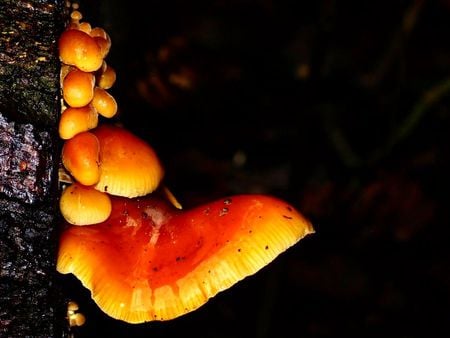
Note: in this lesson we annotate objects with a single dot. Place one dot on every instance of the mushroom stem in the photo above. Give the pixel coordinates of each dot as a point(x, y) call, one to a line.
point(171, 197)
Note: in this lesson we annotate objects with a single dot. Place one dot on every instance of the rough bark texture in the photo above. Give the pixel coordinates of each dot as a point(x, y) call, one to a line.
point(30, 305)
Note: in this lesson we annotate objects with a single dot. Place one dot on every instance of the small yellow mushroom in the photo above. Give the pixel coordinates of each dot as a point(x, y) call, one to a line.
point(78, 88)
point(76, 120)
point(80, 156)
point(104, 103)
point(82, 205)
point(75, 318)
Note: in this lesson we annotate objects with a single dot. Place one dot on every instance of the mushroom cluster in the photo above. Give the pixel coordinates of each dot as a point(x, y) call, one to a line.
point(100, 159)
point(141, 256)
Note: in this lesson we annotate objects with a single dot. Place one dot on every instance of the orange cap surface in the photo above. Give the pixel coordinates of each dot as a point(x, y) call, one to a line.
point(129, 166)
point(77, 48)
point(151, 261)
point(78, 88)
point(82, 205)
point(104, 103)
point(103, 40)
point(106, 76)
point(80, 156)
point(76, 120)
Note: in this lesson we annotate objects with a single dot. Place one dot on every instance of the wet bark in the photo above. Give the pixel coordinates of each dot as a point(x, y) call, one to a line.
point(30, 304)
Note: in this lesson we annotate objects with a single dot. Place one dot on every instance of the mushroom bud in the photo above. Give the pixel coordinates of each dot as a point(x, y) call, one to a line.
point(82, 205)
point(151, 261)
point(104, 103)
point(106, 76)
point(76, 120)
point(77, 48)
point(78, 88)
point(103, 40)
point(85, 27)
point(80, 156)
point(76, 16)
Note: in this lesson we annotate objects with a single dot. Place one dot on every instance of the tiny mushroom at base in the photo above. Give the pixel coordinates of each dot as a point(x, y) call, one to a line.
point(151, 261)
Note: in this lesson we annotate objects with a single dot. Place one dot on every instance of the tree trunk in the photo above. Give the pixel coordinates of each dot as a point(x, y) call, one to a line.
point(30, 303)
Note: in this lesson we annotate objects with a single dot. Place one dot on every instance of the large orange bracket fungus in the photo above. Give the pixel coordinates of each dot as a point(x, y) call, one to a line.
point(141, 255)
point(152, 261)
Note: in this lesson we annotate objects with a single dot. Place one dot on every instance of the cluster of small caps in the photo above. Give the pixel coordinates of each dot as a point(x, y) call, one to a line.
point(101, 159)
point(74, 317)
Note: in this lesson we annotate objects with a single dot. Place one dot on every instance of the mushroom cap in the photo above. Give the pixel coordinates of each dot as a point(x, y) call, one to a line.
point(77, 48)
point(103, 44)
point(104, 103)
point(150, 261)
point(80, 156)
point(129, 166)
point(103, 40)
point(83, 205)
point(106, 76)
point(85, 27)
point(76, 120)
point(78, 88)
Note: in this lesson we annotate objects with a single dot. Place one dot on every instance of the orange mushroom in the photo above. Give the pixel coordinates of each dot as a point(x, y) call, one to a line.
point(76, 120)
point(82, 205)
point(76, 16)
point(85, 27)
point(99, 32)
point(78, 88)
point(106, 76)
point(150, 261)
point(104, 103)
point(77, 48)
point(103, 40)
point(80, 156)
point(129, 166)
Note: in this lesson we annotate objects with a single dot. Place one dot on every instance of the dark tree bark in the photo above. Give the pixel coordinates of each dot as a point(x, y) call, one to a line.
point(30, 304)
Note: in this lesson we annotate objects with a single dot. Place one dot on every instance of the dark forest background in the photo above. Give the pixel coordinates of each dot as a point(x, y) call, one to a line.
point(340, 107)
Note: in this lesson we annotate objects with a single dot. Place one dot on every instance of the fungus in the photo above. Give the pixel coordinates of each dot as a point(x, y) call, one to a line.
point(152, 261)
point(78, 88)
point(85, 27)
point(65, 69)
point(83, 205)
point(129, 166)
point(77, 48)
point(74, 317)
point(141, 255)
point(100, 32)
point(80, 156)
point(76, 120)
point(103, 40)
point(76, 16)
point(104, 103)
point(106, 76)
